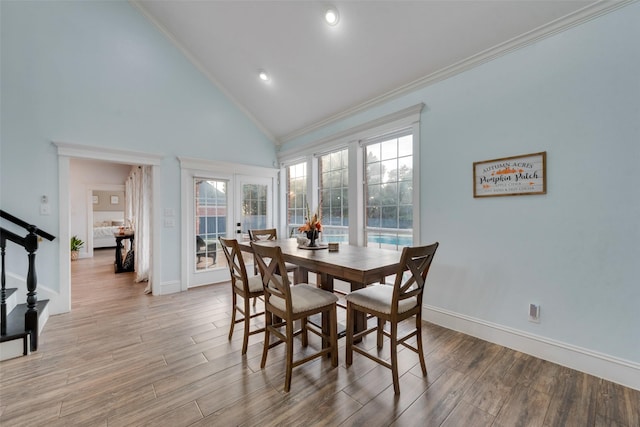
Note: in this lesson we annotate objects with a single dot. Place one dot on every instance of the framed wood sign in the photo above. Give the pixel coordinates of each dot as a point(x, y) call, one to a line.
point(511, 176)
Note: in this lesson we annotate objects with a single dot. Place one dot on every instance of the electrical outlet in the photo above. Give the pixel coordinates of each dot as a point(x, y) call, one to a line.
point(534, 313)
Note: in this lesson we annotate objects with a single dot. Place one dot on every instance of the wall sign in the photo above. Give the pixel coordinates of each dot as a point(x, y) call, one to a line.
point(511, 176)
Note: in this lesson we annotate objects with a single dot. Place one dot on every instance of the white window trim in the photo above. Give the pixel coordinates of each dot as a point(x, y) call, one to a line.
point(353, 139)
point(191, 168)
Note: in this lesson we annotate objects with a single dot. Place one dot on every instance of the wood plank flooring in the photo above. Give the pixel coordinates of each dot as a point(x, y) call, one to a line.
point(123, 358)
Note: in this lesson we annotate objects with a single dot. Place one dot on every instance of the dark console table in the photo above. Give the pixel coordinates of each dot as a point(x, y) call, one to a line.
point(119, 246)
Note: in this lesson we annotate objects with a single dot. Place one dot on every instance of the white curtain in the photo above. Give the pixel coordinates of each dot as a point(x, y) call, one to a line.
point(138, 212)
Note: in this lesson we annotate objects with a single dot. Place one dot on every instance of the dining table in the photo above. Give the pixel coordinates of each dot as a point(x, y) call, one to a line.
point(357, 265)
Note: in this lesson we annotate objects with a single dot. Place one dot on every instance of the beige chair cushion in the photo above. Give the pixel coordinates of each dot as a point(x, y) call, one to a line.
point(255, 284)
point(305, 297)
point(290, 266)
point(378, 297)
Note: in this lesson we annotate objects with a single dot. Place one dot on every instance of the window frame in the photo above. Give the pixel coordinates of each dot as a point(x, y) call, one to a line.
point(364, 145)
point(403, 121)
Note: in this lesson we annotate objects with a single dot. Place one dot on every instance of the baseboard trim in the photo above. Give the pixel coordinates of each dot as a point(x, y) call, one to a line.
point(171, 287)
point(624, 372)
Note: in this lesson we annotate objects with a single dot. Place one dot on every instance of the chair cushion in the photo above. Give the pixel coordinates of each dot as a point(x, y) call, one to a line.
point(290, 266)
point(255, 284)
point(305, 297)
point(378, 297)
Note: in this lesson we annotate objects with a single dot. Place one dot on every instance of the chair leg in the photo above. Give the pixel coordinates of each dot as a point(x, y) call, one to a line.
point(349, 337)
point(420, 348)
point(289, 367)
point(234, 300)
point(380, 336)
point(268, 321)
point(394, 357)
point(247, 324)
point(255, 300)
point(333, 335)
point(305, 335)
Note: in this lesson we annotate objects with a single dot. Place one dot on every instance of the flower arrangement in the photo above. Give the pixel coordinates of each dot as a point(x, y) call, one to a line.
point(311, 227)
point(312, 223)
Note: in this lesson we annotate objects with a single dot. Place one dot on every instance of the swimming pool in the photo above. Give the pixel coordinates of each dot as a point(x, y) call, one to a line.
point(391, 239)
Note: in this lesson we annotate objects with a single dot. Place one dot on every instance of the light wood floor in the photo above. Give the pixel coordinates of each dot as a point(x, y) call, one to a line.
point(122, 358)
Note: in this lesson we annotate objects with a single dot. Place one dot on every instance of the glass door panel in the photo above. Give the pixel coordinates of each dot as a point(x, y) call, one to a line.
point(254, 208)
point(210, 221)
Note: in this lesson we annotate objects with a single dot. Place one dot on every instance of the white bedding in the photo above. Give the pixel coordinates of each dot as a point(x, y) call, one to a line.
point(105, 223)
point(102, 232)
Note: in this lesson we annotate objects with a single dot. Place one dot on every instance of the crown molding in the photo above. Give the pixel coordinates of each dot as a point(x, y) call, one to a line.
point(578, 17)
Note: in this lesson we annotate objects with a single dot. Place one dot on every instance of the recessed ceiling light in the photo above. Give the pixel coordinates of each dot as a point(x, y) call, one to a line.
point(262, 74)
point(331, 16)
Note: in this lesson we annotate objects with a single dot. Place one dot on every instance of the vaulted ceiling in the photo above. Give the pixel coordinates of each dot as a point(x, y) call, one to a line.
point(378, 49)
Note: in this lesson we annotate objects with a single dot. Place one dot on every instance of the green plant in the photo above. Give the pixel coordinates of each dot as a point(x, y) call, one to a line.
point(76, 243)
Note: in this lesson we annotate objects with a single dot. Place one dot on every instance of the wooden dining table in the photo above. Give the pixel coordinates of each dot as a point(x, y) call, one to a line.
point(357, 265)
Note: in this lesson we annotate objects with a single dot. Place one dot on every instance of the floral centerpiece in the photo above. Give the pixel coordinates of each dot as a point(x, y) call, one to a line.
point(312, 226)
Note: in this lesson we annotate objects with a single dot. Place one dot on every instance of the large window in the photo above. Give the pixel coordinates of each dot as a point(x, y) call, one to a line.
point(333, 170)
point(364, 180)
point(389, 192)
point(296, 196)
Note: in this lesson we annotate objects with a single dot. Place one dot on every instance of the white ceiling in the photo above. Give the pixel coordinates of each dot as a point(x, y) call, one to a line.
point(379, 49)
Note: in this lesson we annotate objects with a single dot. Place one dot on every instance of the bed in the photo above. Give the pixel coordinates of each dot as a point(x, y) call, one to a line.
point(105, 223)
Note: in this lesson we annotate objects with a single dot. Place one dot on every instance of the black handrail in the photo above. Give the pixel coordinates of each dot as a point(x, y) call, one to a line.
point(30, 243)
point(26, 225)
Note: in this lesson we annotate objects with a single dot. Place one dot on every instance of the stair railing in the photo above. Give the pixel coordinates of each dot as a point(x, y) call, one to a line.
point(30, 244)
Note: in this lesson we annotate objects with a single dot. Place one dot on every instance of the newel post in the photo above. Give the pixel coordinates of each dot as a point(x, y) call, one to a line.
point(3, 291)
point(31, 315)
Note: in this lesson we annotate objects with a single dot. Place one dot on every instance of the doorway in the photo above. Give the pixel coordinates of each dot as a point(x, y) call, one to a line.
point(66, 152)
point(221, 200)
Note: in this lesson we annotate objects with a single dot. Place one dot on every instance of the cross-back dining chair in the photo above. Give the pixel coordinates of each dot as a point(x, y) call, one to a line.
point(393, 304)
point(243, 286)
point(256, 235)
point(285, 304)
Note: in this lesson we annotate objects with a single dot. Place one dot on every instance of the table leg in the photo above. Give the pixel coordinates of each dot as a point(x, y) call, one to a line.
point(326, 282)
point(360, 319)
point(118, 266)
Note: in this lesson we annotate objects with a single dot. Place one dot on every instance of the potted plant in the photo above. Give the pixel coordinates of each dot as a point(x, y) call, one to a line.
point(76, 244)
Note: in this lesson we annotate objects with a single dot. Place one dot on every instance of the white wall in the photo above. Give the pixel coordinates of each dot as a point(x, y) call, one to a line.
point(574, 250)
point(100, 74)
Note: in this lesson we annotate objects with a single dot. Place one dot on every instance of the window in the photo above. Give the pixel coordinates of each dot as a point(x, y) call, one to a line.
point(210, 221)
point(333, 170)
point(389, 192)
point(296, 196)
point(254, 206)
point(364, 179)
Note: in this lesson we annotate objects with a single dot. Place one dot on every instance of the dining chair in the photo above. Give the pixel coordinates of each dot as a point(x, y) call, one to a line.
point(243, 286)
point(393, 304)
point(285, 304)
point(256, 235)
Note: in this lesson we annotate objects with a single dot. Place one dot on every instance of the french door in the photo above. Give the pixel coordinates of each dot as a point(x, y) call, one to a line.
point(224, 206)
